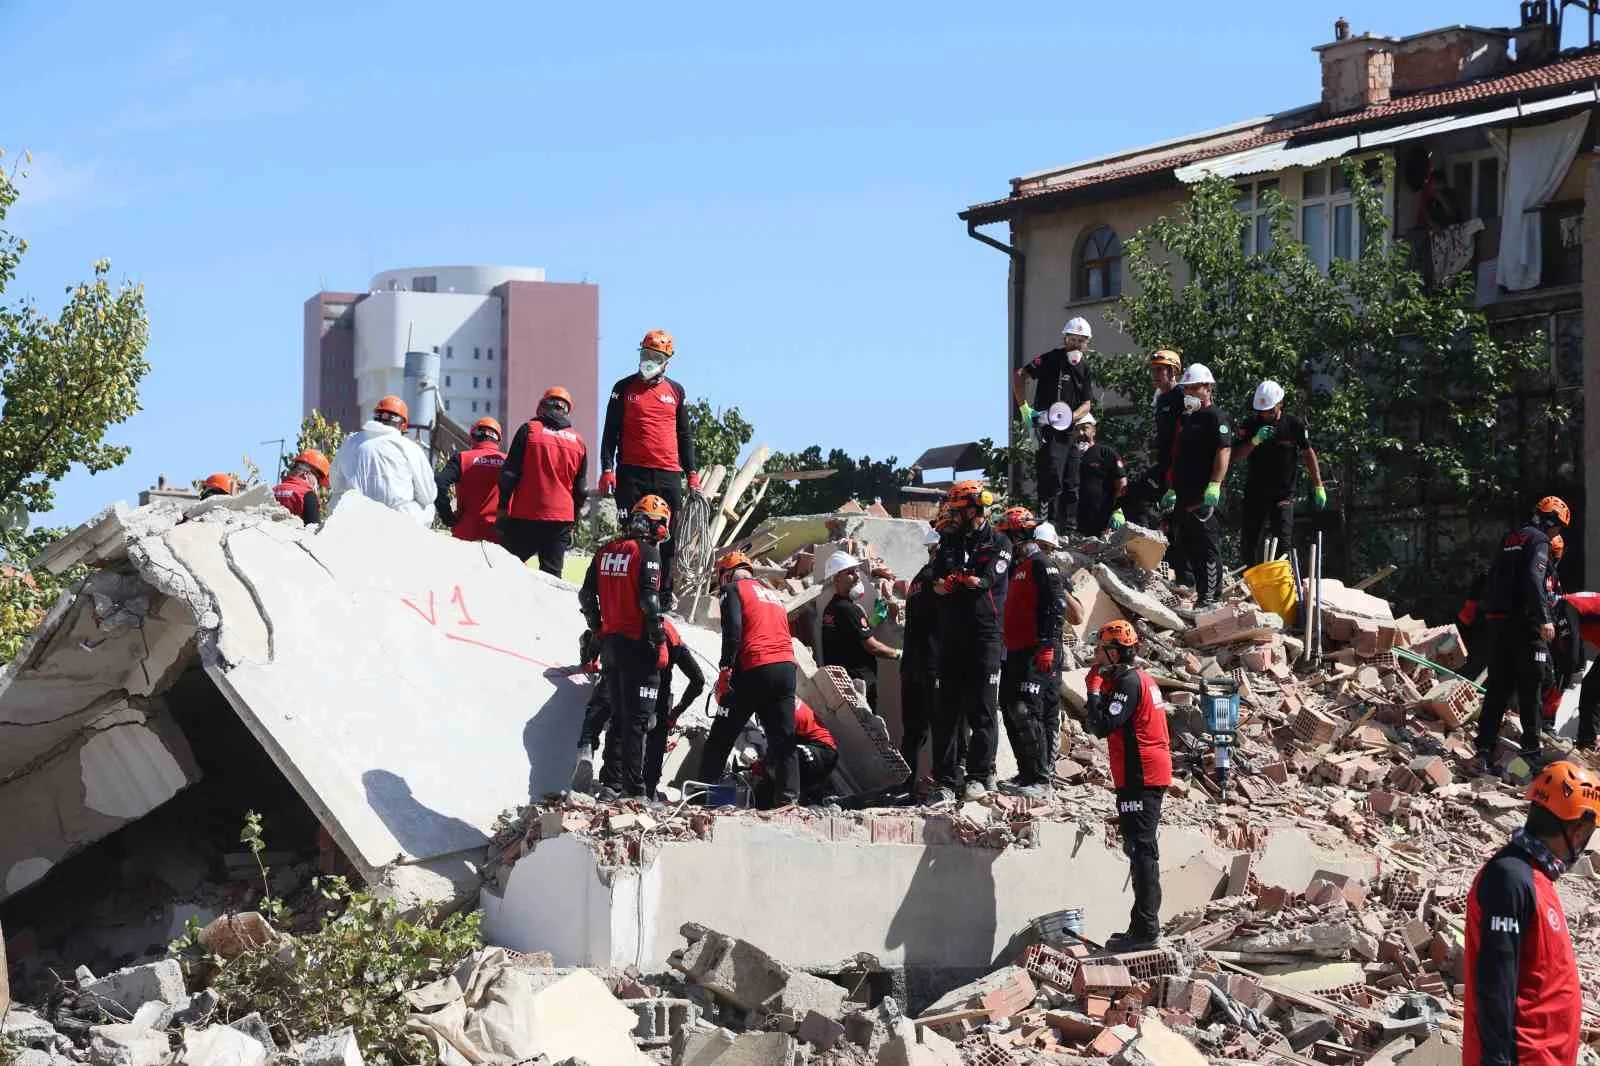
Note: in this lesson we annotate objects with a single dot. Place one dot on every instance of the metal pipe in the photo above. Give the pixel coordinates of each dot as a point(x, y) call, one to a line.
point(1019, 284)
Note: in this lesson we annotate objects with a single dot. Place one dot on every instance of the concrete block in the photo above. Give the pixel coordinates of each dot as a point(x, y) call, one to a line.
point(1432, 770)
point(805, 993)
point(820, 1031)
point(331, 1049)
point(135, 986)
point(761, 1049)
point(1147, 607)
point(1192, 885)
point(23, 1028)
point(1146, 547)
point(127, 1045)
point(661, 1019)
point(157, 1016)
point(220, 1045)
point(256, 1028)
point(731, 969)
point(700, 1047)
point(578, 1017)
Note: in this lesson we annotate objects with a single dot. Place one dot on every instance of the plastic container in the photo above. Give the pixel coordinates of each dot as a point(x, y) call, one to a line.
point(1059, 927)
point(1272, 584)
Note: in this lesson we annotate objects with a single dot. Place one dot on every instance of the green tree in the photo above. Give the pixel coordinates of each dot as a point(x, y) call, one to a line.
point(719, 435)
point(864, 479)
point(66, 381)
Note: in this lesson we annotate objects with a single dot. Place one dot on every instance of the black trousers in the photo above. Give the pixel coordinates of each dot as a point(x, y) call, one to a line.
point(1022, 696)
point(1473, 637)
point(526, 537)
point(1200, 546)
point(1055, 468)
point(1144, 492)
point(969, 694)
point(596, 719)
point(655, 742)
point(1589, 707)
point(1518, 664)
point(816, 764)
point(1265, 518)
point(1051, 718)
point(919, 698)
point(767, 693)
point(1139, 820)
point(1094, 510)
point(635, 683)
point(635, 482)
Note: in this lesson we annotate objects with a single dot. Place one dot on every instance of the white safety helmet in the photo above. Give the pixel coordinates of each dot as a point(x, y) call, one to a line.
point(838, 563)
point(931, 537)
point(1269, 394)
point(1197, 374)
point(1077, 327)
point(1088, 420)
point(1045, 533)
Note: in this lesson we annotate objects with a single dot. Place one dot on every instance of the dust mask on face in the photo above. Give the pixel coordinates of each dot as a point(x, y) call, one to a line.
point(1191, 403)
point(650, 369)
point(857, 590)
point(1075, 357)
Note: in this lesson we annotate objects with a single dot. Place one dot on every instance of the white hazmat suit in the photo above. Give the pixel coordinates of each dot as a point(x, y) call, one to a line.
point(385, 465)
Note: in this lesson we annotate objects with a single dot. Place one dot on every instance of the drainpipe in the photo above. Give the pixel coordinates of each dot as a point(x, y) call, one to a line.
point(1018, 291)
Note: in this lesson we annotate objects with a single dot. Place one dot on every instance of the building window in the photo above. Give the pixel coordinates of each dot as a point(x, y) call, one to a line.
point(447, 381)
point(1474, 186)
point(1099, 265)
point(1255, 231)
point(488, 383)
point(491, 354)
point(477, 353)
point(449, 351)
point(429, 283)
point(1330, 225)
point(447, 405)
point(435, 349)
point(474, 406)
point(474, 382)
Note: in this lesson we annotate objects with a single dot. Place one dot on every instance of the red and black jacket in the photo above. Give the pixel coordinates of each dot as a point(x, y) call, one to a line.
point(1125, 707)
point(1587, 606)
point(1516, 586)
point(648, 423)
point(680, 655)
point(755, 627)
point(921, 639)
point(1036, 600)
point(299, 498)
point(476, 475)
point(542, 479)
point(974, 610)
point(807, 730)
point(621, 593)
point(1523, 1003)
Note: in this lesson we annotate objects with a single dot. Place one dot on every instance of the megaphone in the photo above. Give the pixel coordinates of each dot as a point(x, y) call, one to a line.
point(1059, 416)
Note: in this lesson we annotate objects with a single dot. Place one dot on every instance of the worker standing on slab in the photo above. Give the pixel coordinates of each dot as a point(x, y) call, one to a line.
point(970, 577)
point(1520, 625)
point(681, 657)
point(1125, 707)
point(385, 465)
point(1036, 608)
point(757, 678)
point(646, 446)
point(1060, 375)
point(1587, 607)
point(1102, 480)
point(1167, 409)
point(919, 661)
point(1274, 443)
point(621, 601)
point(474, 473)
point(1523, 1001)
point(541, 484)
point(216, 485)
point(297, 492)
point(1194, 484)
point(847, 640)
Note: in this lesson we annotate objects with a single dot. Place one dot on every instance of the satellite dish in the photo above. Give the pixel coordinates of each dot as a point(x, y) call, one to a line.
point(1059, 416)
point(14, 516)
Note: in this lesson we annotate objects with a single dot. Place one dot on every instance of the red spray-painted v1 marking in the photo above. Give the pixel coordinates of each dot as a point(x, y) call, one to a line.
point(464, 618)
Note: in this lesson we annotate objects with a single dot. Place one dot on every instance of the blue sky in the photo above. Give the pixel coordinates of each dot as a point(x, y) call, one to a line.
point(777, 185)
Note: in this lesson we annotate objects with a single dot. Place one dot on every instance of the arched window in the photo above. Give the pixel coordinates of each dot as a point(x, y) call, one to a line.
point(1097, 268)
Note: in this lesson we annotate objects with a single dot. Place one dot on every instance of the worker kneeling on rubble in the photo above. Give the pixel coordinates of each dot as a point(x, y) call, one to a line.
point(385, 465)
point(1521, 623)
point(541, 484)
point(1523, 1003)
point(1125, 707)
point(816, 754)
point(681, 656)
point(297, 492)
point(970, 578)
point(474, 473)
point(1036, 607)
point(757, 678)
point(621, 601)
point(847, 640)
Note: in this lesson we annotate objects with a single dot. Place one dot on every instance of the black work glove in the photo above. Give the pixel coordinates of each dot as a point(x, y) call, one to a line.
point(502, 524)
point(588, 646)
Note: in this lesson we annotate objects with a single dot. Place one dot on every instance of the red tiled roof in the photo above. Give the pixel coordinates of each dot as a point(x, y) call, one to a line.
point(1564, 72)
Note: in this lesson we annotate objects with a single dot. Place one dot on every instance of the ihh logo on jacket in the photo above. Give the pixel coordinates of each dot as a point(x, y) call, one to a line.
point(1501, 924)
point(615, 564)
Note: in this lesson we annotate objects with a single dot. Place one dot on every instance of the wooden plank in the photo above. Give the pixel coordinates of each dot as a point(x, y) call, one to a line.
point(736, 491)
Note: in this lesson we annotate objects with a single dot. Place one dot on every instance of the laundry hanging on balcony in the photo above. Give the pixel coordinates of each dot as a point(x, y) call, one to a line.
point(1536, 160)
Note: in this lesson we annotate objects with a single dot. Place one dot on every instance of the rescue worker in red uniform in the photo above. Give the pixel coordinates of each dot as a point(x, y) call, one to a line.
point(541, 484)
point(1520, 626)
point(621, 601)
point(1125, 707)
point(297, 492)
point(475, 475)
point(970, 579)
point(216, 485)
point(919, 659)
point(1523, 1003)
point(1587, 607)
point(757, 678)
point(816, 753)
point(646, 445)
point(1036, 609)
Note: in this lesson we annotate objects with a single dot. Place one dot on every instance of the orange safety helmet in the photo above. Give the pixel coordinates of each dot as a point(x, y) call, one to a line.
point(652, 517)
point(968, 494)
point(220, 482)
point(732, 561)
point(556, 392)
point(658, 341)
point(1556, 507)
point(1567, 790)
point(484, 426)
point(1166, 357)
point(316, 461)
point(1018, 519)
point(393, 405)
point(1118, 632)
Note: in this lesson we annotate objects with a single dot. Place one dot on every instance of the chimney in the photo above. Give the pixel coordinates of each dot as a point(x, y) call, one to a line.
point(1538, 39)
point(1357, 72)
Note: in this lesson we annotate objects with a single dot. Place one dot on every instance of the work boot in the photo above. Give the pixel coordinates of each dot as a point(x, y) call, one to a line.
point(1133, 940)
point(583, 773)
point(1032, 790)
point(607, 794)
point(975, 790)
point(1483, 766)
point(940, 797)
